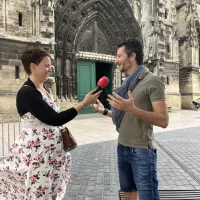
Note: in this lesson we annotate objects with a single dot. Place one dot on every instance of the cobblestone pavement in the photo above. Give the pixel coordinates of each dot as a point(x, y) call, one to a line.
point(94, 171)
point(179, 159)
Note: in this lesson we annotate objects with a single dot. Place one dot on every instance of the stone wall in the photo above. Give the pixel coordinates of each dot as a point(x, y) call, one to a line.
point(173, 102)
point(23, 24)
point(161, 51)
point(64, 105)
point(10, 59)
point(190, 86)
point(172, 85)
point(10, 55)
point(169, 37)
point(7, 103)
point(10, 12)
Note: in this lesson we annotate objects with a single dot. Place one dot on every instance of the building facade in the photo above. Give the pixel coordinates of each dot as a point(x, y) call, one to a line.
point(82, 36)
point(171, 39)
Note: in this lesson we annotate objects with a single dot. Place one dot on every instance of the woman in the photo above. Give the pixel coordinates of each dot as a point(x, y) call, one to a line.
point(37, 166)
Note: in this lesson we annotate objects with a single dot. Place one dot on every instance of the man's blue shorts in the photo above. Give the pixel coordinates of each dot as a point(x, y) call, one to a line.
point(138, 171)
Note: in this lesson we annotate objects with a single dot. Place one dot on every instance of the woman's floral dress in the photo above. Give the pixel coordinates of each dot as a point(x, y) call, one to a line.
point(36, 167)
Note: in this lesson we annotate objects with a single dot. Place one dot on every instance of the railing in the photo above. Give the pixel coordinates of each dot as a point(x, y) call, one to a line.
point(173, 195)
point(66, 87)
point(10, 128)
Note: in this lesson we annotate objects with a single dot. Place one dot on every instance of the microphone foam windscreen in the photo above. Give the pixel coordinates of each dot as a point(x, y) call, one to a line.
point(103, 82)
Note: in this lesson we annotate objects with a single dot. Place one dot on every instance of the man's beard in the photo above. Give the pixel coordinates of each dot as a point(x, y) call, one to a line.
point(125, 67)
point(122, 69)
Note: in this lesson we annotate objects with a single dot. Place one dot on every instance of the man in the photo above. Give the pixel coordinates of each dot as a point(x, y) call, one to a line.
point(134, 115)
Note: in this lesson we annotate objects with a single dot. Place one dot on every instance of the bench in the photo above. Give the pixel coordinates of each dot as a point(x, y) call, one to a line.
point(173, 195)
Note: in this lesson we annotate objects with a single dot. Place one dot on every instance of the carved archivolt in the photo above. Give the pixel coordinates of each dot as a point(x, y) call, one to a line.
point(91, 26)
point(75, 20)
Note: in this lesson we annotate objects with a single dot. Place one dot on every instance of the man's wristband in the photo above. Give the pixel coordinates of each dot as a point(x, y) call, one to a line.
point(105, 112)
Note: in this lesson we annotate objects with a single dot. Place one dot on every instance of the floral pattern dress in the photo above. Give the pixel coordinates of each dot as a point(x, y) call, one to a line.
point(37, 166)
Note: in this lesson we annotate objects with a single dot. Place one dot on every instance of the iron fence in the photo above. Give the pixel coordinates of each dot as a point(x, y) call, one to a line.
point(10, 127)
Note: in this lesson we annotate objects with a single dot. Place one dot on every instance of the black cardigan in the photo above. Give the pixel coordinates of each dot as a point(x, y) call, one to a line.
point(29, 99)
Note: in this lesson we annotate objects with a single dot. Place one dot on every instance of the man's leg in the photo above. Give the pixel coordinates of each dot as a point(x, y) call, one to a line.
point(144, 166)
point(130, 195)
point(126, 178)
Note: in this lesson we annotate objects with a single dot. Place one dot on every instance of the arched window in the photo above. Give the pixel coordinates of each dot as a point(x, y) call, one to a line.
point(20, 18)
point(166, 13)
point(17, 72)
point(167, 80)
point(167, 51)
point(168, 48)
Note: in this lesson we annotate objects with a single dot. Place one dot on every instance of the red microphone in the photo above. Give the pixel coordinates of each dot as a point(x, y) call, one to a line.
point(102, 83)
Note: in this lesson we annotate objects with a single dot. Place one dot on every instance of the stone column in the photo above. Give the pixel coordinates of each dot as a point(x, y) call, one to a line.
point(189, 86)
point(189, 71)
point(37, 19)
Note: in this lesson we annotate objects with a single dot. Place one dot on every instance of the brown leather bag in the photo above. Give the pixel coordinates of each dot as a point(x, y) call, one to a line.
point(69, 143)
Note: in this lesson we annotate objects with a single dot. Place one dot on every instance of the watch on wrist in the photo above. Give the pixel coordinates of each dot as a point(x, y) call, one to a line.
point(105, 112)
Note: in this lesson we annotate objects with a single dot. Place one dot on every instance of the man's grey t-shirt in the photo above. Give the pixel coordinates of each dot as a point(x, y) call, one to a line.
point(134, 132)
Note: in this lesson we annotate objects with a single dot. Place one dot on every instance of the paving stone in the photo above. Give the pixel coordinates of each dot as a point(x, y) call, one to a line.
point(80, 197)
point(95, 175)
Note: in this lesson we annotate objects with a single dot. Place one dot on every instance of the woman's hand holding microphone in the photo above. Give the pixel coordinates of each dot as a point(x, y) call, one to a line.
point(89, 99)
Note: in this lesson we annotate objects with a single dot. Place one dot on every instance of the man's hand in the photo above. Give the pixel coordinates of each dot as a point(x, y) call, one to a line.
point(120, 103)
point(98, 107)
point(159, 117)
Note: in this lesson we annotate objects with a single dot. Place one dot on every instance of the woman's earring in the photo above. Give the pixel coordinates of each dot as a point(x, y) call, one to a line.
point(35, 74)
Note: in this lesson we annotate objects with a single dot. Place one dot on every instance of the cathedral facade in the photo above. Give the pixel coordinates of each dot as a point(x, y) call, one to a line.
point(82, 35)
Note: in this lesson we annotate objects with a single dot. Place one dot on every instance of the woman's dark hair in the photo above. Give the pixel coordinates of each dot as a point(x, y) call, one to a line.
point(33, 56)
point(133, 46)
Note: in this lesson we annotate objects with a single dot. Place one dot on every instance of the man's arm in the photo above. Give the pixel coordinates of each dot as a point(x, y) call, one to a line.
point(99, 107)
point(159, 117)
point(109, 113)
point(156, 92)
point(101, 110)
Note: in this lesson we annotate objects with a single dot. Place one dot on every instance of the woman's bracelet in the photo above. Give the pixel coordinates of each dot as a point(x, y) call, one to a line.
point(81, 104)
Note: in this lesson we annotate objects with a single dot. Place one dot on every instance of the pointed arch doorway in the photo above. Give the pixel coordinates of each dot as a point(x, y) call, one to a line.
point(94, 27)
